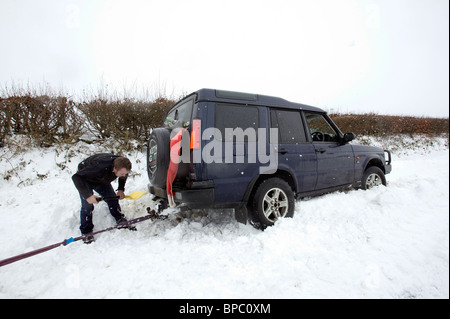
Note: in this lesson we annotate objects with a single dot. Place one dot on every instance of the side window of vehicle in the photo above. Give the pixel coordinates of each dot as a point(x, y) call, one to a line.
point(180, 116)
point(236, 116)
point(289, 125)
point(320, 129)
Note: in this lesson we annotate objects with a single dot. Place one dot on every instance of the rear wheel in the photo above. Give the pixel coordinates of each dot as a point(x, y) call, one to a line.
point(158, 156)
point(273, 199)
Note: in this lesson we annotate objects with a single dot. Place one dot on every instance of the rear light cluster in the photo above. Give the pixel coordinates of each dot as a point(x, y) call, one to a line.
point(196, 133)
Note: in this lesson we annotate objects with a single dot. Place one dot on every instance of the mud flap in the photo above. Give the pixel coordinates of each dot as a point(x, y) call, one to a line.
point(241, 214)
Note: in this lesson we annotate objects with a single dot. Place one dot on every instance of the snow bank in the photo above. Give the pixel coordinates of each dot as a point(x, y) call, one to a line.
point(389, 242)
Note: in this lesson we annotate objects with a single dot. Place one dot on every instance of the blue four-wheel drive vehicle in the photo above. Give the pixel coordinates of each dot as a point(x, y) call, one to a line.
point(256, 154)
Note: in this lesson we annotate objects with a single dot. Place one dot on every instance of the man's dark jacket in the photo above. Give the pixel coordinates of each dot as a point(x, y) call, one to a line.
point(96, 170)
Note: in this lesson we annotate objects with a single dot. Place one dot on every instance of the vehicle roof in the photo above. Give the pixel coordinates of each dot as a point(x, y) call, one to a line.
point(214, 95)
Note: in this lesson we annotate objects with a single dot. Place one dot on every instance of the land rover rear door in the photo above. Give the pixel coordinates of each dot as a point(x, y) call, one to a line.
point(295, 154)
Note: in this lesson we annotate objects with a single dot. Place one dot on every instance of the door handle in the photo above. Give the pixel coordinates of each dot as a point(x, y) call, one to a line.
point(320, 150)
point(283, 151)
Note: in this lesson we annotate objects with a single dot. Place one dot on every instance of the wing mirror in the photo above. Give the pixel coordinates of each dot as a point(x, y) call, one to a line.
point(348, 137)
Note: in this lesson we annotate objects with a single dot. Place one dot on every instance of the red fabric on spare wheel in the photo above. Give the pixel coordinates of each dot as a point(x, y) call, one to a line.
point(175, 148)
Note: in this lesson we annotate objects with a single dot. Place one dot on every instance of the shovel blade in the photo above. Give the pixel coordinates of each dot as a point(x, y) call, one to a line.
point(136, 195)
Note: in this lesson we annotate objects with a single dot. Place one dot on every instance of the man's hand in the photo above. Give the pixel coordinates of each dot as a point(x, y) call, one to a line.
point(92, 199)
point(121, 194)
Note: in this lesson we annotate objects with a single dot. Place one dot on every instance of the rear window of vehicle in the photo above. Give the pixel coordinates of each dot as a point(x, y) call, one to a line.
point(237, 116)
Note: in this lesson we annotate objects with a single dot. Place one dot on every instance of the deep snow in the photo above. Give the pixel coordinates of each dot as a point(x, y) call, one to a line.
point(389, 242)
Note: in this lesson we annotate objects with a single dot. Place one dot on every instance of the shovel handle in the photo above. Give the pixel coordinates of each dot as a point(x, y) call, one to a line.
point(99, 199)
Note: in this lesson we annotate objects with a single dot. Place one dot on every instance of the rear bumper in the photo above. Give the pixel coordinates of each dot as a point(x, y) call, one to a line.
point(193, 198)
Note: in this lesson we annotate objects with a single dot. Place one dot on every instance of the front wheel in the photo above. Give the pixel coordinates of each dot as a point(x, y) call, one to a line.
point(373, 176)
point(273, 199)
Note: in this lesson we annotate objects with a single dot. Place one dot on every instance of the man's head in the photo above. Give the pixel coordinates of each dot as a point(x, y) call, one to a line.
point(122, 166)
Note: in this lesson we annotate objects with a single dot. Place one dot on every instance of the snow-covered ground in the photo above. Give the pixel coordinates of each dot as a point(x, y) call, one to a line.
point(389, 242)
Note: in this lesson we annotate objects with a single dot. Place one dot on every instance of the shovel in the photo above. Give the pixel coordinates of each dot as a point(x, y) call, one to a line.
point(133, 196)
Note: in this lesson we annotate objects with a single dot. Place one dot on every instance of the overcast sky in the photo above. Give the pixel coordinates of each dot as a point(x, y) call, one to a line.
point(382, 56)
